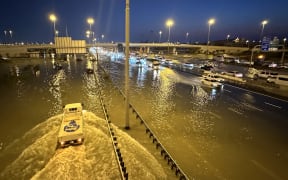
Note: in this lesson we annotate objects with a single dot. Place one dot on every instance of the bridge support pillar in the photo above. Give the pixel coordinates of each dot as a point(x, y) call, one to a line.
point(147, 50)
point(174, 50)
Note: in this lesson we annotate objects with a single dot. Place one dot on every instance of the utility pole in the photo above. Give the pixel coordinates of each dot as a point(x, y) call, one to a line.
point(127, 40)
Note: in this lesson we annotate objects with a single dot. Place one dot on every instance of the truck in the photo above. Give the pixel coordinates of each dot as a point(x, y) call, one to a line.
point(71, 129)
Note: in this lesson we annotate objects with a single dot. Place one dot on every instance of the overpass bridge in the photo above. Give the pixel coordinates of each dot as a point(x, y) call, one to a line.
point(30, 50)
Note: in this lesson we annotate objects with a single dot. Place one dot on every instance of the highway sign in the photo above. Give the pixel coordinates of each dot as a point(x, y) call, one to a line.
point(265, 44)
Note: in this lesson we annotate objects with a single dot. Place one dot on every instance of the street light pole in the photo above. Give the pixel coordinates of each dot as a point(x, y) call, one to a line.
point(90, 21)
point(264, 22)
point(283, 53)
point(160, 33)
point(53, 18)
point(210, 22)
point(169, 23)
point(127, 41)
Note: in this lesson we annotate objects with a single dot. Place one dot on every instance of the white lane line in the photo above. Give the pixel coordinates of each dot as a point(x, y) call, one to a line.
point(265, 170)
point(215, 115)
point(256, 92)
point(234, 110)
point(252, 107)
point(279, 107)
point(227, 90)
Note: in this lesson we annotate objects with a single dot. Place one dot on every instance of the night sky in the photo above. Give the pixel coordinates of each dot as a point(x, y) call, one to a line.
point(29, 20)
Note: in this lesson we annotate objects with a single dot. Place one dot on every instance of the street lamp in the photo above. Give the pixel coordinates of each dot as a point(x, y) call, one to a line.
point(210, 22)
point(169, 23)
point(187, 34)
point(283, 53)
point(160, 33)
point(102, 36)
point(90, 21)
point(53, 18)
point(263, 23)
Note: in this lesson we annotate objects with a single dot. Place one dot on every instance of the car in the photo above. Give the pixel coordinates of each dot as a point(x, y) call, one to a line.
point(214, 76)
point(211, 82)
point(233, 73)
point(281, 80)
point(188, 65)
point(267, 74)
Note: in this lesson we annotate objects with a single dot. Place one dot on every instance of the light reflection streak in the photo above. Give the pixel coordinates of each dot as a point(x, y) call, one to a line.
point(55, 90)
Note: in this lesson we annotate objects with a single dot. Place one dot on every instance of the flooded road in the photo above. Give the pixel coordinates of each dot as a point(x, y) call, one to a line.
point(226, 133)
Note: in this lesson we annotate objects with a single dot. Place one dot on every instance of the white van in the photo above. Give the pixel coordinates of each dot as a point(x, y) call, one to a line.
point(281, 80)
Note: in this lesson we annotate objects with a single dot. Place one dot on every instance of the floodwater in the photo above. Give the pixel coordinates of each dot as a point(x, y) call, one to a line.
point(226, 133)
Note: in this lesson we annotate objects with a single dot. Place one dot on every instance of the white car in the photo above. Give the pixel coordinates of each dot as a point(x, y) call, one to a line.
point(188, 65)
point(211, 82)
point(234, 74)
point(214, 76)
point(281, 80)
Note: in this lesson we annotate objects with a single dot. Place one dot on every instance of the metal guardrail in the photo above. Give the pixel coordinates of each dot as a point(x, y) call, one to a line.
point(121, 165)
point(171, 162)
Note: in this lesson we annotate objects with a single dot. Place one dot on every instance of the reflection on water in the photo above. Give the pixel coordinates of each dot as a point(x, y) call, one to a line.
point(55, 89)
point(211, 133)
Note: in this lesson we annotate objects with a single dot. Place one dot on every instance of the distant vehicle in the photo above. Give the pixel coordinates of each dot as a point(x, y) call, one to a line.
point(71, 129)
point(226, 58)
point(89, 67)
point(252, 73)
point(214, 76)
point(211, 82)
point(281, 80)
point(267, 74)
point(188, 65)
point(155, 64)
point(233, 73)
point(207, 67)
point(218, 58)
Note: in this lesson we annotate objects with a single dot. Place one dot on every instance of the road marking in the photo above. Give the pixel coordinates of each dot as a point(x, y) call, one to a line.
point(279, 107)
point(266, 170)
point(234, 110)
point(227, 90)
point(252, 107)
point(215, 115)
point(283, 100)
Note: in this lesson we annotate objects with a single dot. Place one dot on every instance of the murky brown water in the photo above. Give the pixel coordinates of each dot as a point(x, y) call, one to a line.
point(226, 133)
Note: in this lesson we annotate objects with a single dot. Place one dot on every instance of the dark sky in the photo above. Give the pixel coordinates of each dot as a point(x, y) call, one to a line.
point(29, 19)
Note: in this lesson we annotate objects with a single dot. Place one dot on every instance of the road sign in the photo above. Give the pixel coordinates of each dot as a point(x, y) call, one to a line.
point(265, 44)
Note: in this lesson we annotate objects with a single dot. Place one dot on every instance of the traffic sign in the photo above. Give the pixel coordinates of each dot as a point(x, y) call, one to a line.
point(265, 44)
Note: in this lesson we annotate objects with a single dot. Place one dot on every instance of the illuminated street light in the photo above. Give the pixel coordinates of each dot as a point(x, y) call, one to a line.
point(187, 34)
point(283, 53)
point(160, 33)
point(169, 23)
point(263, 23)
point(102, 36)
point(210, 22)
point(53, 18)
point(90, 21)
